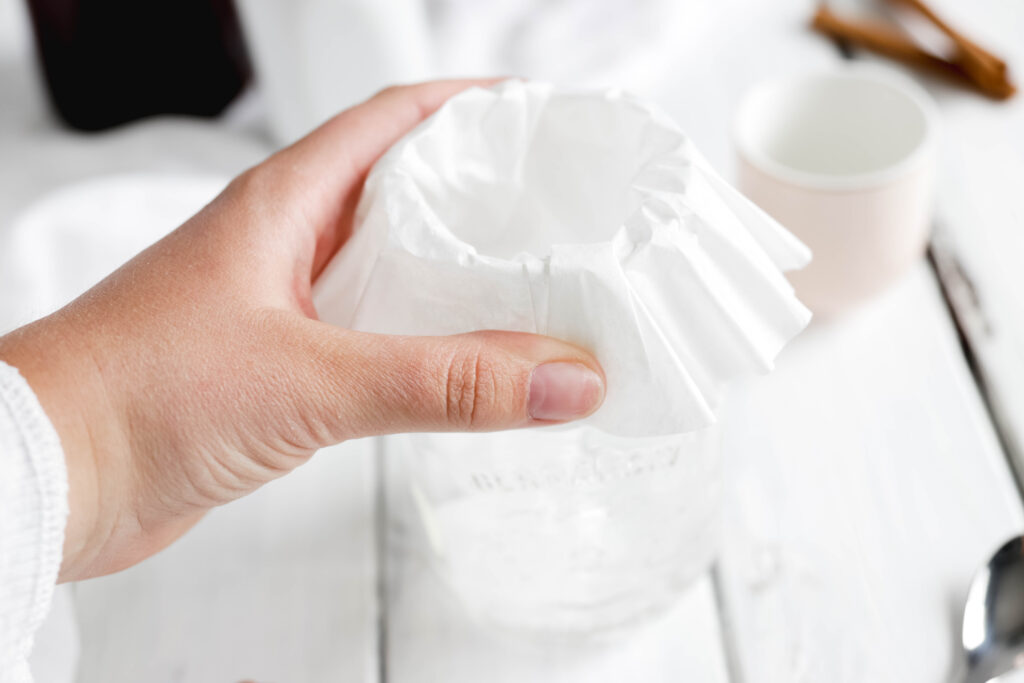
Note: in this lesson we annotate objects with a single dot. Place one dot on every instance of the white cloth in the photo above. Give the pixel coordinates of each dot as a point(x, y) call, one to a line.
point(33, 513)
point(324, 55)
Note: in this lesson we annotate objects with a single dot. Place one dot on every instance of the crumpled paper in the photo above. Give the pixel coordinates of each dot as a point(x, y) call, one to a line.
point(587, 216)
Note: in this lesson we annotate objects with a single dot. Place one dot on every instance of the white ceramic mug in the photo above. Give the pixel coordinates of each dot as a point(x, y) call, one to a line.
point(846, 161)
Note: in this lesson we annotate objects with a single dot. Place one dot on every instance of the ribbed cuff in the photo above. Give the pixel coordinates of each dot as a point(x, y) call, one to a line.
point(33, 514)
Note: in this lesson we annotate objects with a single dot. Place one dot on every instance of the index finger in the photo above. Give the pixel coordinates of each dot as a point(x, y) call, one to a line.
point(347, 145)
point(325, 170)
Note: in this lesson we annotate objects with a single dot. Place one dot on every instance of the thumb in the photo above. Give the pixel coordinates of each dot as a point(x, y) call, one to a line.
point(380, 384)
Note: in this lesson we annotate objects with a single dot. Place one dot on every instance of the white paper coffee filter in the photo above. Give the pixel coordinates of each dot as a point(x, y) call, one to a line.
point(586, 216)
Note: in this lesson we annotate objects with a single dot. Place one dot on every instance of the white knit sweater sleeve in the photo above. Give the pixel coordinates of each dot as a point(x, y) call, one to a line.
point(33, 512)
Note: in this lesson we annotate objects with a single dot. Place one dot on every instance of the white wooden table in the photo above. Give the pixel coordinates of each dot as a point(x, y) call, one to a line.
point(867, 478)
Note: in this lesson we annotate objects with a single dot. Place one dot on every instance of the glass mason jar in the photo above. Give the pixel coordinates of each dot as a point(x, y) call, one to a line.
point(566, 531)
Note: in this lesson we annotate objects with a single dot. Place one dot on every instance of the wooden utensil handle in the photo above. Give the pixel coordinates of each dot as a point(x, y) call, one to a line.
point(878, 38)
point(972, 53)
point(891, 43)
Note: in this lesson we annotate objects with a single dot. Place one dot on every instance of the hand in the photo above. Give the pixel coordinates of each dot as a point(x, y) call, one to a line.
point(198, 371)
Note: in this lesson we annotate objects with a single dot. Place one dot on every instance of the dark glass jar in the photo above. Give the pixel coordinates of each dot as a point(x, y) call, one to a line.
point(107, 62)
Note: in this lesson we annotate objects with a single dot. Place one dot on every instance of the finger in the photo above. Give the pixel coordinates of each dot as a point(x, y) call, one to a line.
point(378, 384)
point(346, 146)
point(326, 168)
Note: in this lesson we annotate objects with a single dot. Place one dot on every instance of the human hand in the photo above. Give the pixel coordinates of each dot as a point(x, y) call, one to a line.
point(198, 371)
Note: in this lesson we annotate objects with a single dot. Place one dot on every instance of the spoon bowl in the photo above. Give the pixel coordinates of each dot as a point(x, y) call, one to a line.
point(993, 627)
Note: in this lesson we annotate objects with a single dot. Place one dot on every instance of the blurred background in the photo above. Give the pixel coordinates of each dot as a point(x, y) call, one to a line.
point(276, 69)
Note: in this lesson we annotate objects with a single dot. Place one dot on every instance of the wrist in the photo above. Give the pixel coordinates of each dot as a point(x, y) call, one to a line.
point(67, 384)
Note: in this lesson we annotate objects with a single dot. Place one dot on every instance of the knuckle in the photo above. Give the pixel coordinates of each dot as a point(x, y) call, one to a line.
point(472, 390)
point(247, 183)
point(389, 91)
point(248, 191)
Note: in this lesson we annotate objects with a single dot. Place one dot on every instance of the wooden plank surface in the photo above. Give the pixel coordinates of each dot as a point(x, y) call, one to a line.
point(279, 586)
point(979, 244)
point(866, 485)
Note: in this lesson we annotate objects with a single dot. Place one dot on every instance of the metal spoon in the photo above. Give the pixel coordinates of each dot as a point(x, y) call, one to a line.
point(993, 631)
